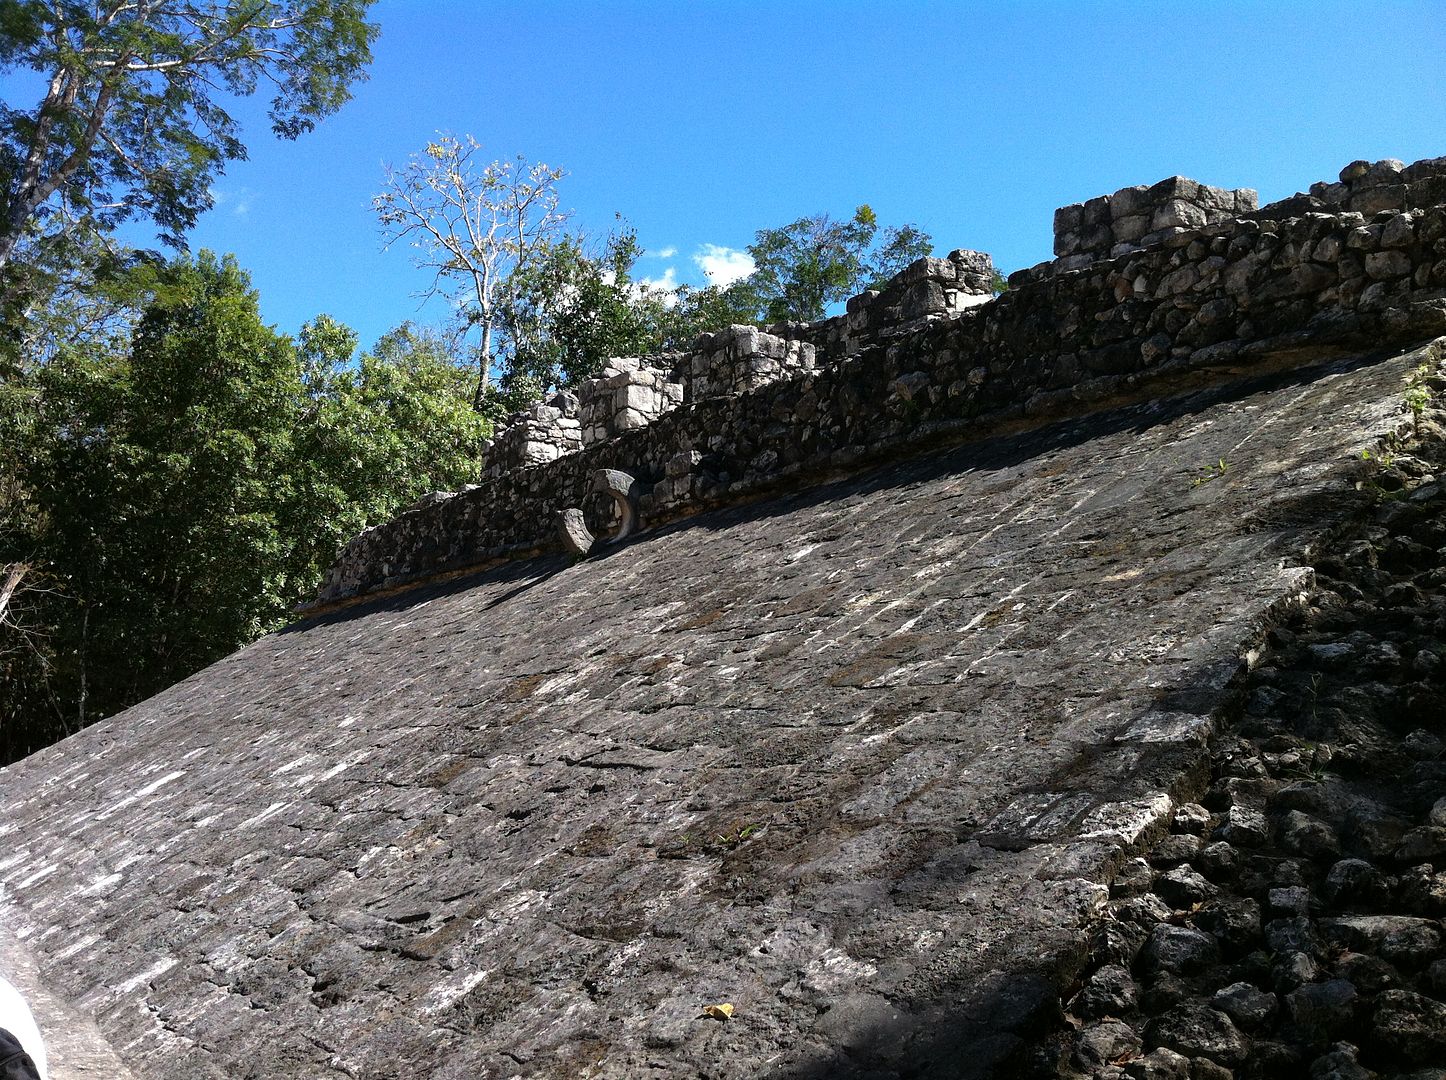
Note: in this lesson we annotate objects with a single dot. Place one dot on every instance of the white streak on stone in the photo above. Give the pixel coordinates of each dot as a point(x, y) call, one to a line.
point(135, 982)
point(149, 789)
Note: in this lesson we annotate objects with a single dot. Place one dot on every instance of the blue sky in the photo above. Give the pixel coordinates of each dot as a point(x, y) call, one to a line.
point(702, 122)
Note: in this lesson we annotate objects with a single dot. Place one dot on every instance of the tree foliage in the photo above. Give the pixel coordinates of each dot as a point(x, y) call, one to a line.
point(132, 122)
point(173, 498)
point(804, 267)
point(574, 310)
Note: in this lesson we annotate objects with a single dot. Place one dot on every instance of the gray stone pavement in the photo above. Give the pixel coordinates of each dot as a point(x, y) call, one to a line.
point(855, 762)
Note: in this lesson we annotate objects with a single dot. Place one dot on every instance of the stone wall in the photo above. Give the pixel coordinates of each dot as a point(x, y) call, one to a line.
point(924, 291)
point(629, 393)
point(634, 391)
point(1370, 188)
point(1206, 305)
point(738, 359)
point(540, 433)
point(1141, 216)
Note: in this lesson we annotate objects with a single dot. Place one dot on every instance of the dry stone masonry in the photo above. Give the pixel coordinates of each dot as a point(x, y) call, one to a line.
point(1141, 217)
point(964, 702)
point(540, 433)
point(1233, 296)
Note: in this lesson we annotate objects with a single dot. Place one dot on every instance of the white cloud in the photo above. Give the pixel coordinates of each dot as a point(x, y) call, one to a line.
point(667, 284)
point(723, 265)
point(669, 280)
point(239, 201)
point(665, 253)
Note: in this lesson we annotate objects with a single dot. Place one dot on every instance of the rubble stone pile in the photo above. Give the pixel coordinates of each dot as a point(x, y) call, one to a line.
point(1290, 925)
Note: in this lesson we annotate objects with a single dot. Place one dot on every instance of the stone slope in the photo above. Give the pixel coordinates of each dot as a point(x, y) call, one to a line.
point(856, 761)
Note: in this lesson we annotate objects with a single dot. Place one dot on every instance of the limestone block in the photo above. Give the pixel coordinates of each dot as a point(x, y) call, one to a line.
point(1096, 211)
point(1130, 229)
point(1216, 200)
point(927, 268)
point(637, 396)
point(1374, 200)
point(1177, 213)
point(1068, 219)
point(1174, 187)
point(1129, 202)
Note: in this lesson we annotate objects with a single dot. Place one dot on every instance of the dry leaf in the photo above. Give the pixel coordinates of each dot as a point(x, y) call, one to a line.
point(719, 1012)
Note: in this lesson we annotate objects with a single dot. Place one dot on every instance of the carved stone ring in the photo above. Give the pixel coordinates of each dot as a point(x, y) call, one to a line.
point(577, 537)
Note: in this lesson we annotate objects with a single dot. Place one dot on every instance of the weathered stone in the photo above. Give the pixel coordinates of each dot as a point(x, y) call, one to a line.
point(1197, 1030)
point(1233, 920)
point(1292, 968)
point(1159, 1064)
point(1192, 819)
point(1293, 935)
point(1369, 974)
point(1219, 861)
point(1110, 992)
point(1353, 882)
point(1423, 891)
point(1321, 1010)
point(1383, 265)
point(1290, 900)
point(1438, 812)
point(1341, 1062)
point(1244, 826)
point(1305, 835)
point(1182, 887)
point(1249, 1006)
point(1401, 939)
point(1176, 849)
point(1134, 879)
point(1146, 910)
point(1100, 1044)
point(1179, 949)
point(1410, 1027)
point(1204, 1069)
point(1374, 832)
point(1119, 942)
point(1163, 991)
point(1427, 843)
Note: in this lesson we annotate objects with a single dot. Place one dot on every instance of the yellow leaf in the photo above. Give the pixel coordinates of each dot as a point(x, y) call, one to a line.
point(719, 1012)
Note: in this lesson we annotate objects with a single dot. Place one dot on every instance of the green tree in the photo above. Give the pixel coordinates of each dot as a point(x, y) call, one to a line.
point(713, 307)
point(573, 311)
point(375, 435)
point(161, 488)
point(172, 496)
point(132, 121)
point(804, 267)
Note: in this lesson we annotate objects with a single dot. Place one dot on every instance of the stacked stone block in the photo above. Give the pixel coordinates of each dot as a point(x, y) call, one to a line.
point(629, 393)
point(540, 433)
point(1141, 216)
point(742, 358)
point(924, 290)
point(1372, 187)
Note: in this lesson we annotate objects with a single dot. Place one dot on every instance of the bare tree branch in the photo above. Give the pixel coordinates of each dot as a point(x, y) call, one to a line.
point(473, 227)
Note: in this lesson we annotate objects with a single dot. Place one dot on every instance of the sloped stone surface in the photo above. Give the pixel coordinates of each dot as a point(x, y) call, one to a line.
point(854, 761)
